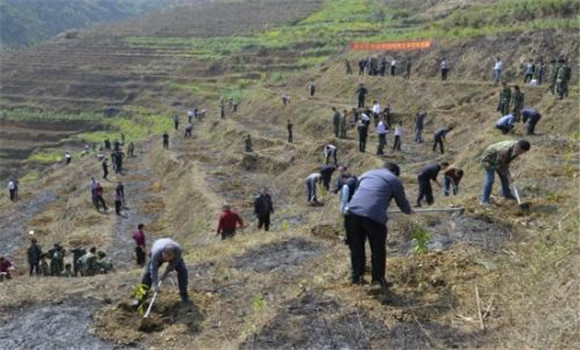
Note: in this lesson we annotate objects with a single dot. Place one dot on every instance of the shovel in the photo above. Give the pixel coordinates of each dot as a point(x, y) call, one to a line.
point(152, 301)
point(523, 206)
point(431, 211)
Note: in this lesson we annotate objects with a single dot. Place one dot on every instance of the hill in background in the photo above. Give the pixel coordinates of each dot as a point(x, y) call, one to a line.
point(494, 277)
point(27, 22)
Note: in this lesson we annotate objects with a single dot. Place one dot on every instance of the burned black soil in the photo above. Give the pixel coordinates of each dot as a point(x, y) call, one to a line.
point(64, 326)
point(279, 256)
point(446, 231)
point(316, 321)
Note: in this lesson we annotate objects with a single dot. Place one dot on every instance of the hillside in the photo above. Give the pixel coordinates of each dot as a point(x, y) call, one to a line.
point(29, 22)
point(492, 277)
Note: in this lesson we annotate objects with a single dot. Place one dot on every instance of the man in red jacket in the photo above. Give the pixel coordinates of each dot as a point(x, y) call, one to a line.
point(228, 222)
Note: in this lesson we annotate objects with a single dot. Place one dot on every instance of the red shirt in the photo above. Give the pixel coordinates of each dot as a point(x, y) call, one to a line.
point(5, 265)
point(139, 238)
point(228, 221)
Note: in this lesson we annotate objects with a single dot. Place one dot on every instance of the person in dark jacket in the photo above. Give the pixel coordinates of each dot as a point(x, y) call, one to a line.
point(366, 217)
point(363, 132)
point(165, 137)
point(290, 127)
point(105, 165)
point(440, 137)
point(34, 253)
point(326, 171)
point(263, 208)
point(531, 116)
point(424, 179)
point(361, 92)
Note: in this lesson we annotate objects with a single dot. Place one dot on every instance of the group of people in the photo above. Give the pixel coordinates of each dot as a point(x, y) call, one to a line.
point(97, 191)
point(379, 66)
point(364, 201)
point(52, 263)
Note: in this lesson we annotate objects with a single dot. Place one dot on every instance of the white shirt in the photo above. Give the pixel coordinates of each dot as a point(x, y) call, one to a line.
point(11, 185)
point(364, 117)
point(444, 64)
point(398, 131)
point(393, 62)
point(329, 149)
point(67, 155)
point(497, 65)
point(190, 113)
point(381, 128)
point(377, 108)
point(313, 177)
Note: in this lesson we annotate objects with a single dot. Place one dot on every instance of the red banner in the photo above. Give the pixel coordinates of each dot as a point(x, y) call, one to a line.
point(392, 46)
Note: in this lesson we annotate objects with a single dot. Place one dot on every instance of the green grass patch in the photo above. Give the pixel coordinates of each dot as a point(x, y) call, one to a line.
point(135, 128)
point(31, 115)
point(46, 157)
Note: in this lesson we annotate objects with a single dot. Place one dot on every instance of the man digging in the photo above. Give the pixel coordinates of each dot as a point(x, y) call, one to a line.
point(165, 250)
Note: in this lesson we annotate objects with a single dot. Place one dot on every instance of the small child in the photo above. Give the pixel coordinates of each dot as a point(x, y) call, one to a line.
point(398, 135)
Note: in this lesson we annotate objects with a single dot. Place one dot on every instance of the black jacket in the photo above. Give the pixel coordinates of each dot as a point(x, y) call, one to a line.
point(263, 205)
point(34, 252)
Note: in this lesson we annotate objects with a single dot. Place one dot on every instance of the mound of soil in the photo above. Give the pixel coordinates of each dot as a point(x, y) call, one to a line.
point(127, 325)
point(324, 231)
point(278, 256)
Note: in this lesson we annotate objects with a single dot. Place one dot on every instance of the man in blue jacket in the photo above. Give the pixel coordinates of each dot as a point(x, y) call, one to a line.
point(367, 217)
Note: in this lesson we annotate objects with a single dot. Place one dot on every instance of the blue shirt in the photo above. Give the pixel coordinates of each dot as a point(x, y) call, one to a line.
point(374, 193)
point(506, 120)
point(430, 172)
point(530, 113)
point(441, 133)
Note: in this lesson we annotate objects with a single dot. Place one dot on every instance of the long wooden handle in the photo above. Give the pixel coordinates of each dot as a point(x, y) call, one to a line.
point(428, 211)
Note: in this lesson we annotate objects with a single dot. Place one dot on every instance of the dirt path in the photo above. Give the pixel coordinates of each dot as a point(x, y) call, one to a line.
point(137, 181)
point(13, 223)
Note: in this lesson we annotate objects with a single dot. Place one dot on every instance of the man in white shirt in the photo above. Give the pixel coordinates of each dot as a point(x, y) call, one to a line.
point(12, 189)
point(393, 66)
point(330, 151)
point(497, 69)
point(376, 112)
point(382, 129)
point(444, 68)
point(311, 182)
point(398, 136)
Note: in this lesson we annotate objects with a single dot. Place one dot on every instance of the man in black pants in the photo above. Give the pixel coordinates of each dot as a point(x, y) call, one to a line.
point(363, 131)
point(367, 217)
point(361, 92)
point(531, 116)
point(165, 140)
point(326, 172)
point(439, 138)
point(290, 126)
point(105, 169)
point(263, 208)
point(424, 179)
point(34, 253)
